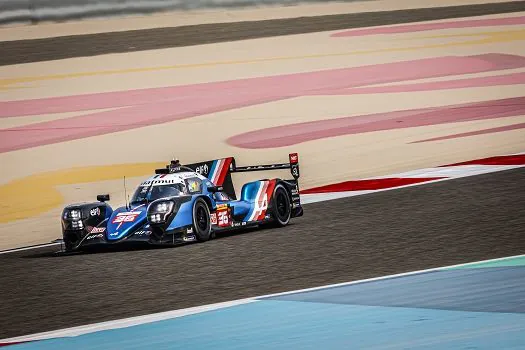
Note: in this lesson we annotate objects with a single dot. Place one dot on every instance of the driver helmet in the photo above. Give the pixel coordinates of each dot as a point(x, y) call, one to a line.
point(193, 185)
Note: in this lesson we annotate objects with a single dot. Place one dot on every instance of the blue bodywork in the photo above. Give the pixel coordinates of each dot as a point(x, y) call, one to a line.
point(161, 210)
point(117, 230)
point(124, 222)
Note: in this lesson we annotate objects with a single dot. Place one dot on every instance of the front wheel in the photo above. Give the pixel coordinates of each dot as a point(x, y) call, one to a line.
point(201, 220)
point(282, 210)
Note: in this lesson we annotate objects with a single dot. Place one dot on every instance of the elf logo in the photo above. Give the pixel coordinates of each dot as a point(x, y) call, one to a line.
point(202, 169)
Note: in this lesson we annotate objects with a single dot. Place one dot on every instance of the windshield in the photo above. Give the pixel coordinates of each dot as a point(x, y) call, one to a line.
point(151, 193)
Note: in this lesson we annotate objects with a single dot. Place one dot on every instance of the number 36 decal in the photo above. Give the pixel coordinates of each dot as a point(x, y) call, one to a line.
point(125, 217)
point(221, 218)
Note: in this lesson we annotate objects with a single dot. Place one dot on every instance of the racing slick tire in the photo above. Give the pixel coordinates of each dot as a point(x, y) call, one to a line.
point(281, 208)
point(201, 220)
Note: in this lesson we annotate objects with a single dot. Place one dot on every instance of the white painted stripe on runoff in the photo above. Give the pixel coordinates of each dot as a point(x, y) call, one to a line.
point(138, 320)
point(321, 197)
point(453, 171)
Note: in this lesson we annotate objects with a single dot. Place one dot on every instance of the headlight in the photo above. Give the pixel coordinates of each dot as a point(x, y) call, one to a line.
point(159, 211)
point(77, 225)
point(73, 214)
point(73, 219)
point(163, 207)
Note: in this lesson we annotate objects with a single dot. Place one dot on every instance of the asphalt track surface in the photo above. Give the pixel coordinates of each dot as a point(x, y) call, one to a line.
point(389, 232)
point(34, 50)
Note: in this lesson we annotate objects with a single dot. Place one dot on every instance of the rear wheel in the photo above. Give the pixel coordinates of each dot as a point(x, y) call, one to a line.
point(281, 206)
point(201, 220)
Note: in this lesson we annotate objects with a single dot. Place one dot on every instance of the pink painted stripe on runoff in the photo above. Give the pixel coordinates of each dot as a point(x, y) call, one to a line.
point(478, 132)
point(292, 134)
point(281, 85)
point(139, 108)
point(410, 28)
point(114, 121)
point(507, 79)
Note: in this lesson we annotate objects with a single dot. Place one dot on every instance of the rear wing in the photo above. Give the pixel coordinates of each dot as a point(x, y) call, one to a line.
point(293, 165)
point(219, 171)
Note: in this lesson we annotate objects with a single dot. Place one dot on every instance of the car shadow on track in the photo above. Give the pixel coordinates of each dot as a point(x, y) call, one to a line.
point(57, 252)
point(100, 250)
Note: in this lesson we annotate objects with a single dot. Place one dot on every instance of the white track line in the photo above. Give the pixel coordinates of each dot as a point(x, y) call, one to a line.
point(126, 322)
point(403, 274)
point(14, 250)
point(138, 320)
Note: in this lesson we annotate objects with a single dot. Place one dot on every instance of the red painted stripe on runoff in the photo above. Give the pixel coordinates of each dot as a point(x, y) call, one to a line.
point(368, 185)
point(518, 159)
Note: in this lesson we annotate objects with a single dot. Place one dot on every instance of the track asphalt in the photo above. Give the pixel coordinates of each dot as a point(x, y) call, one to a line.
point(396, 231)
point(25, 51)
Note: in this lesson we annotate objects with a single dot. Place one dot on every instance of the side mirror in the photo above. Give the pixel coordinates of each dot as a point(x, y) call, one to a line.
point(103, 198)
point(215, 189)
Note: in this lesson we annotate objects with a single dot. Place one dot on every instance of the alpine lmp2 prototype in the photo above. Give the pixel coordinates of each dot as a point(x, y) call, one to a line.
point(181, 204)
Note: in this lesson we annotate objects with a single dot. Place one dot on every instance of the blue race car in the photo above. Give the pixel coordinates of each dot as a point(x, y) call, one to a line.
point(181, 204)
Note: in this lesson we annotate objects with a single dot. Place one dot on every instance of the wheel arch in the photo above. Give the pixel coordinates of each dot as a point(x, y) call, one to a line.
point(207, 200)
point(273, 201)
point(285, 185)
